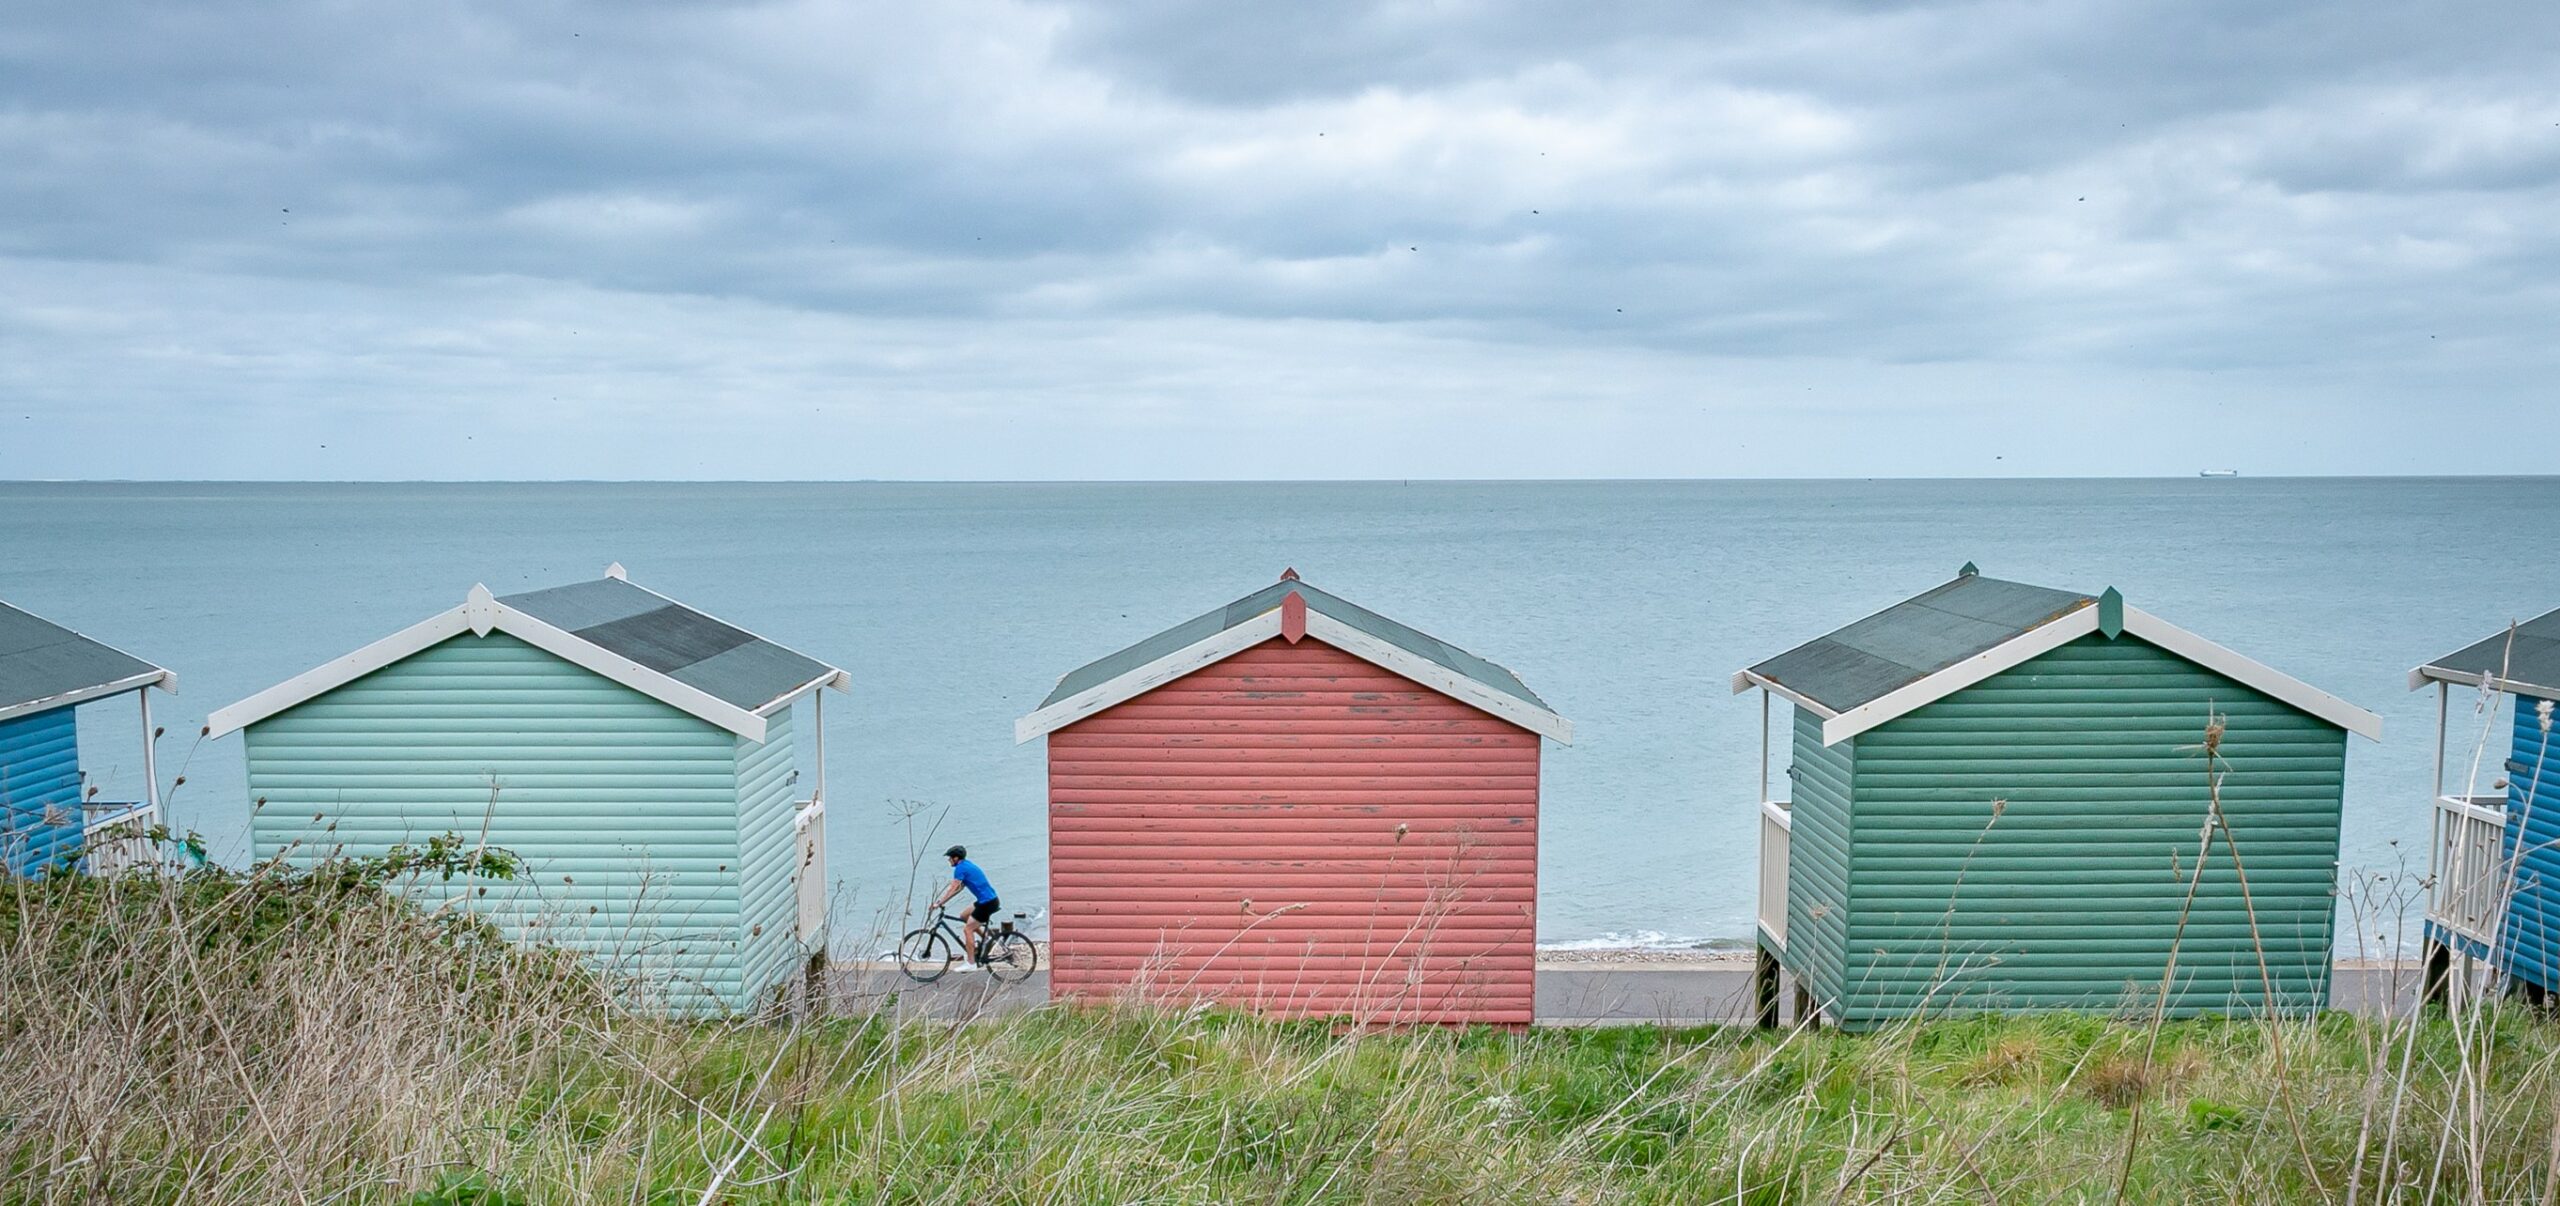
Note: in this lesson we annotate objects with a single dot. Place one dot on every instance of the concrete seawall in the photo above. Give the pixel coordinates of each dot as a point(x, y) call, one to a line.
point(1570, 993)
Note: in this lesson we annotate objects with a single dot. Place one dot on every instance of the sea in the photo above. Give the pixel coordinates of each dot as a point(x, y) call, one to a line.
point(1627, 605)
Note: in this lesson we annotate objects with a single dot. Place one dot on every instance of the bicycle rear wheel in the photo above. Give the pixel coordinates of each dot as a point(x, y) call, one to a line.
point(1012, 957)
point(925, 954)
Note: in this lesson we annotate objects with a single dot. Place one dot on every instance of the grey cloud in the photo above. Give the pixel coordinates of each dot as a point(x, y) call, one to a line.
point(1026, 194)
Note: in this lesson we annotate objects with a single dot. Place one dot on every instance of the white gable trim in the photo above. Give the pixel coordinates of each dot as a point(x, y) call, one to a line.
point(1216, 647)
point(162, 679)
point(2252, 674)
point(572, 648)
point(480, 614)
point(1439, 678)
point(338, 672)
point(834, 678)
point(2070, 627)
point(2006, 655)
point(1225, 644)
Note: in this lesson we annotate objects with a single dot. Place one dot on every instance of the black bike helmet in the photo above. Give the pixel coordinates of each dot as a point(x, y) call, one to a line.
point(956, 852)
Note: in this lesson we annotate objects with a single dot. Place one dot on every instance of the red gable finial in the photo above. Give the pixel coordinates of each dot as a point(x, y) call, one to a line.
point(1289, 575)
point(1293, 617)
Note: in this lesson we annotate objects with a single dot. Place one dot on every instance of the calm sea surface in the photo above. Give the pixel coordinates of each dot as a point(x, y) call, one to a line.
point(1625, 604)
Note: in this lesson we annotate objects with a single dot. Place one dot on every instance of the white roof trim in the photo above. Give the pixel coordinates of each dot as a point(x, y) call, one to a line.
point(338, 672)
point(155, 677)
point(2069, 627)
point(1216, 647)
point(837, 679)
point(1744, 680)
point(1229, 642)
point(2252, 674)
point(2482, 679)
point(834, 678)
point(481, 614)
point(1439, 678)
point(571, 647)
point(2430, 674)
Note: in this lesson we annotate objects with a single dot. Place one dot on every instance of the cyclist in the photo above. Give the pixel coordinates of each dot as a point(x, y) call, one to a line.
point(965, 874)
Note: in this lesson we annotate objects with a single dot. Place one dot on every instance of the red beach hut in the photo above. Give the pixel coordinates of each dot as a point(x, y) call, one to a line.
point(1295, 805)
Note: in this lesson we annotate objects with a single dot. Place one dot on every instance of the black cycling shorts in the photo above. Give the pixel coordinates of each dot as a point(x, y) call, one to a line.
point(984, 910)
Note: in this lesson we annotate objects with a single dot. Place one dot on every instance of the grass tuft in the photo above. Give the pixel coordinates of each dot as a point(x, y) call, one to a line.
point(260, 1038)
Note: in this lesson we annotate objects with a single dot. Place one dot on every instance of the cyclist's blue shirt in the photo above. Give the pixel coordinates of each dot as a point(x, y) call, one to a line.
point(974, 879)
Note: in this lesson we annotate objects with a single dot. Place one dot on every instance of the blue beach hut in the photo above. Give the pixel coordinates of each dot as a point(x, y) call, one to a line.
point(47, 815)
point(2493, 901)
point(639, 756)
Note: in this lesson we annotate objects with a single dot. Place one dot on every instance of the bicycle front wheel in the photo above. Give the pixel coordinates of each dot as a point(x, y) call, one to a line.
point(924, 955)
point(1012, 957)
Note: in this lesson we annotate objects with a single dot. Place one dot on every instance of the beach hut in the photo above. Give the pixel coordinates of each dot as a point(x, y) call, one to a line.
point(637, 755)
point(1298, 806)
point(2494, 855)
point(1999, 794)
point(48, 813)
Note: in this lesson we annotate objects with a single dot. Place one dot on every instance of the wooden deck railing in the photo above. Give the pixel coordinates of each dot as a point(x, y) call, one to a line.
point(1776, 829)
point(116, 835)
point(2468, 867)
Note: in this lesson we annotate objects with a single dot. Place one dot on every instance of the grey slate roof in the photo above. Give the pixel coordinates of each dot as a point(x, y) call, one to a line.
point(2531, 666)
point(725, 662)
point(1916, 638)
point(1204, 626)
point(40, 660)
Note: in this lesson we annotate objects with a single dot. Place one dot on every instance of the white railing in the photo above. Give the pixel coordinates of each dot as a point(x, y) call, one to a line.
point(2467, 864)
point(116, 836)
point(809, 873)
point(1776, 829)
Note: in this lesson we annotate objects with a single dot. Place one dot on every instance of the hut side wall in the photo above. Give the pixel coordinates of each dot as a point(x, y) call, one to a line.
point(2529, 941)
point(2066, 892)
point(1234, 835)
point(1818, 846)
point(39, 790)
point(768, 909)
point(623, 808)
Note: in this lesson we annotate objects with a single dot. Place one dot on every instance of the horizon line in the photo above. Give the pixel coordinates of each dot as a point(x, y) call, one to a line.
point(1227, 481)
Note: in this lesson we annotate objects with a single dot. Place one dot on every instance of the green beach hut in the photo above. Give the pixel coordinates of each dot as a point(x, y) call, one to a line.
point(638, 755)
point(1999, 798)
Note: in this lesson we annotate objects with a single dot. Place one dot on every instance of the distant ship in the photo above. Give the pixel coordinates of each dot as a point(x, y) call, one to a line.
point(2218, 473)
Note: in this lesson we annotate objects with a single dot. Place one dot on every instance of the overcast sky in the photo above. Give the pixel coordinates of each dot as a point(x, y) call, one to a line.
point(1007, 240)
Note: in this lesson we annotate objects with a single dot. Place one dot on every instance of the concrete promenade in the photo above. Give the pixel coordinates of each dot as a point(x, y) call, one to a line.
point(1579, 993)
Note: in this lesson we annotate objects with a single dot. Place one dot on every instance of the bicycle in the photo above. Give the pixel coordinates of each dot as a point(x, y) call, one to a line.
point(1007, 953)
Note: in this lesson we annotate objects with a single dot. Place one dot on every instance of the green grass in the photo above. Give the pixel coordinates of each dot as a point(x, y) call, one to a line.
point(236, 1039)
point(1116, 1105)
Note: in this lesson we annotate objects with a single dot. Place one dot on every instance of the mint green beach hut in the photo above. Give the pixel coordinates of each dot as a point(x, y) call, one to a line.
point(638, 755)
point(1999, 791)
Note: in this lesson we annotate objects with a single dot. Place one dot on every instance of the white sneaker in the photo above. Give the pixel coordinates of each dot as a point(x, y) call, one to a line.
point(966, 967)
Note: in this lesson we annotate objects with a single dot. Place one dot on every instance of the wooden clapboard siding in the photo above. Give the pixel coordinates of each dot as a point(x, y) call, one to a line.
point(768, 859)
point(1233, 835)
point(2529, 938)
point(1820, 840)
point(625, 810)
point(2066, 893)
point(39, 790)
